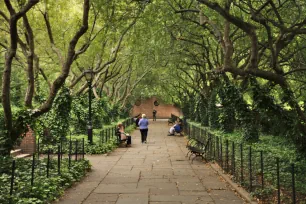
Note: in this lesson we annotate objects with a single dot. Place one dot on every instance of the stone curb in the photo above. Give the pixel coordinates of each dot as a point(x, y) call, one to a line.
point(243, 193)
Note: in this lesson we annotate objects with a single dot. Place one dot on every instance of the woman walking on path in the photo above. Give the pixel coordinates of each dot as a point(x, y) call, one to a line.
point(143, 126)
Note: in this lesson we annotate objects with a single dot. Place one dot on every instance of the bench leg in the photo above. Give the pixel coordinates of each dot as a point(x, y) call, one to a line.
point(191, 155)
point(196, 155)
point(203, 158)
point(187, 153)
point(194, 158)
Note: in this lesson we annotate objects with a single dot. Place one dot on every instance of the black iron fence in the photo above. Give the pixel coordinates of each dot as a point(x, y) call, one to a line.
point(103, 136)
point(264, 175)
point(49, 164)
point(110, 133)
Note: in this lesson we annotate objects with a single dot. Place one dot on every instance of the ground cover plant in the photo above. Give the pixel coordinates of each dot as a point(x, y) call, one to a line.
point(44, 189)
point(104, 140)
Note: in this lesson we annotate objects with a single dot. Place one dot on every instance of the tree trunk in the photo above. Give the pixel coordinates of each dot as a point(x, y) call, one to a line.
point(6, 77)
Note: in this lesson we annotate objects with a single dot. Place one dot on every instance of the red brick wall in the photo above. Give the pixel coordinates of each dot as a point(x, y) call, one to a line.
point(163, 110)
point(28, 144)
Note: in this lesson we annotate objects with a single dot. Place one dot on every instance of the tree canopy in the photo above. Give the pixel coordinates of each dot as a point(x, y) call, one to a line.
point(247, 56)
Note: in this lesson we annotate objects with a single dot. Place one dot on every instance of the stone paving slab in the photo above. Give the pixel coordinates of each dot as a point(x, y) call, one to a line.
point(126, 188)
point(162, 180)
point(190, 186)
point(181, 198)
point(133, 199)
point(154, 173)
point(185, 179)
point(102, 197)
point(224, 196)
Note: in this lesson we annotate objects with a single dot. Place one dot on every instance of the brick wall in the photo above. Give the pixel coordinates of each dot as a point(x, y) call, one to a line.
point(163, 110)
point(28, 144)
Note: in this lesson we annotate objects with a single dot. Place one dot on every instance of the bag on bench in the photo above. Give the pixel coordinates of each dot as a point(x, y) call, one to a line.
point(128, 139)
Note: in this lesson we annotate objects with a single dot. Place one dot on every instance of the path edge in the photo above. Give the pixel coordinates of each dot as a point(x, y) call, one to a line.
point(242, 192)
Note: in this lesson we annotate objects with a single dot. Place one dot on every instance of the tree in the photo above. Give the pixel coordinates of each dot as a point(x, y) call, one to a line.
point(16, 127)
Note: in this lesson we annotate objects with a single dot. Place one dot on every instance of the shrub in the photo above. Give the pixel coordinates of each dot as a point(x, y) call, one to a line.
point(44, 189)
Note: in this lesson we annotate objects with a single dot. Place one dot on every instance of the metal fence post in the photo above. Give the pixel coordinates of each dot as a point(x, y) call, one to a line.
point(33, 169)
point(214, 146)
point(103, 137)
point(48, 163)
point(293, 184)
point(107, 134)
point(262, 169)
point(38, 148)
point(61, 149)
point(221, 153)
point(250, 167)
point(59, 159)
point(70, 152)
point(226, 156)
point(218, 150)
point(241, 163)
point(76, 150)
point(233, 160)
point(12, 179)
point(83, 147)
point(211, 145)
point(278, 181)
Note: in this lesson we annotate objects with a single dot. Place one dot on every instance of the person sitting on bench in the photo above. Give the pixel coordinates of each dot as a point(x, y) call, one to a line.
point(124, 136)
point(175, 128)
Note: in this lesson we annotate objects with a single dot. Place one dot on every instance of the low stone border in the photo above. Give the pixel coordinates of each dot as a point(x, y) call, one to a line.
point(241, 191)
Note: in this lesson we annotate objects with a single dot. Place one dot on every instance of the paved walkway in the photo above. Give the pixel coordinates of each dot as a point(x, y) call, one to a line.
point(154, 173)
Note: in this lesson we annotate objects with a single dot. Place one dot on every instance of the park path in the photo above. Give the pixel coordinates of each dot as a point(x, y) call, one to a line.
point(154, 173)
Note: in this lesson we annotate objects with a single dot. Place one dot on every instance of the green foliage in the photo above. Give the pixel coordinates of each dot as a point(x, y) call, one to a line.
point(274, 118)
point(54, 125)
point(245, 116)
point(79, 114)
point(203, 111)
point(130, 128)
point(262, 193)
point(100, 112)
point(227, 94)
point(103, 113)
point(21, 121)
point(44, 190)
point(101, 148)
point(213, 114)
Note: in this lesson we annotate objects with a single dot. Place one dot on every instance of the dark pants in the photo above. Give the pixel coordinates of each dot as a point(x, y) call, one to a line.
point(154, 117)
point(144, 134)
point(128, 140)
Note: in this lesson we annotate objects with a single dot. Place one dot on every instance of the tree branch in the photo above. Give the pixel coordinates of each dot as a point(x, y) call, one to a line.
point(60, 80)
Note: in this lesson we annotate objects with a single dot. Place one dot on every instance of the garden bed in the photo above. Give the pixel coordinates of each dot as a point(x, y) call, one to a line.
point(45, 183)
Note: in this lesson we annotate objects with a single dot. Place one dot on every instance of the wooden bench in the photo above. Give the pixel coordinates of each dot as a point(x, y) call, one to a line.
point(172, 119)
point(198, 146)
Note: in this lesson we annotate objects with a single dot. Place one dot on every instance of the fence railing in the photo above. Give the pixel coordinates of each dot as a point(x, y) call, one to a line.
point(50, 163)
point(104, 136)
point(110, 133)
point(260, 172)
